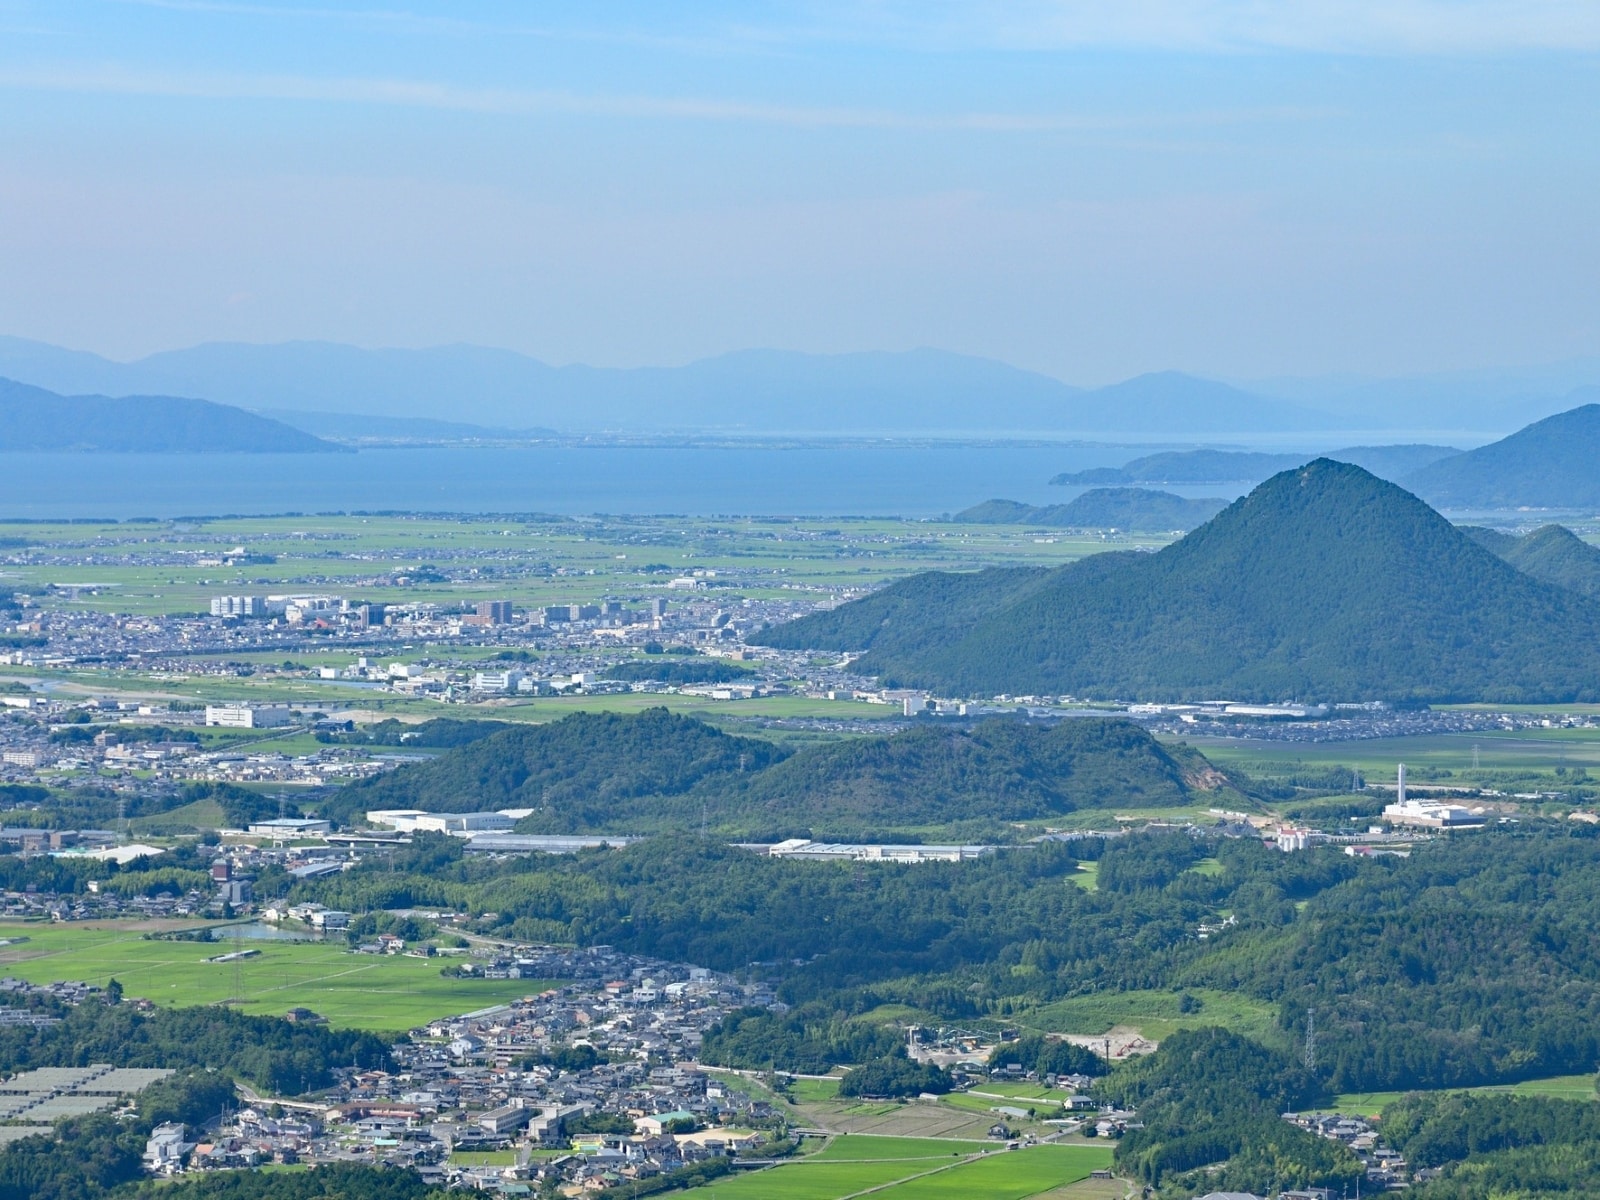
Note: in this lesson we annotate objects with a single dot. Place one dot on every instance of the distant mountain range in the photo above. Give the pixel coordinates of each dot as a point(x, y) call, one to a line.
point(917, 392)
point(757, 391)
point(357, 428)
point(1323, 583)
point(32, 418)
point(1553, 463)
point(1101, 508)
point(1238, 466)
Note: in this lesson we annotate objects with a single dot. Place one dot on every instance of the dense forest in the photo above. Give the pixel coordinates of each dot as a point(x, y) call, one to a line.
point(1323, 583)
point(659, 772)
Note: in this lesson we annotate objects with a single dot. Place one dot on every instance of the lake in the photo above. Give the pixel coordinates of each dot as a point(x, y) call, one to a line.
point(907, 480)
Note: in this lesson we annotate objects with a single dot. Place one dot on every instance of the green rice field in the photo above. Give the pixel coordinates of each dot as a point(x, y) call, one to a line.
point(916, 1169)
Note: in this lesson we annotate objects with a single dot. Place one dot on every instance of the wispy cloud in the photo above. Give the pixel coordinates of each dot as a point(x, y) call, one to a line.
point(1368, 27)
point(1385, 27)
point(117, 80)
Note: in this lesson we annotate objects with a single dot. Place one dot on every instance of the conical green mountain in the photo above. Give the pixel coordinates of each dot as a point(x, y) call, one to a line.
point(1323, 583)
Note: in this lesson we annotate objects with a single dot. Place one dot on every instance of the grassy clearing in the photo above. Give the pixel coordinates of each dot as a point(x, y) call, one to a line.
point(745, 1083)
point(813, 1091)
point(1088, 876)
point(1022, 1091)
point(484, 1158)
point(1560, 1087)
point(1154, 1014)
point(202, 814)
point(353, 991)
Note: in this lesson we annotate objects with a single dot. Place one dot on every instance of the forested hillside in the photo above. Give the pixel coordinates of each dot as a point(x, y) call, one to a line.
point(1324, 582)
point(1101, 508)
point(1552, 553)
point(1549, 464)
point(657, 772)
point(34, 419)
point(591, 763)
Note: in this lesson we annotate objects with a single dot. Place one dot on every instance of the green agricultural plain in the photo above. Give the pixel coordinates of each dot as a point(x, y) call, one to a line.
point(386, 994)
point(916, 1169)
point(573, 559)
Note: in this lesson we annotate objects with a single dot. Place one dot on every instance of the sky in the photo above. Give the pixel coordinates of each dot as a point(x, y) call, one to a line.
point(1240, 188)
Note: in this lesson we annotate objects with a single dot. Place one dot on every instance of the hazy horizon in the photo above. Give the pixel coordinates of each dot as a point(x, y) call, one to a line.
point(1236, 192)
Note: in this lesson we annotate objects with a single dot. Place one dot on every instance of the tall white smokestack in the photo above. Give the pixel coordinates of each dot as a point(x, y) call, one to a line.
point(1400, 797)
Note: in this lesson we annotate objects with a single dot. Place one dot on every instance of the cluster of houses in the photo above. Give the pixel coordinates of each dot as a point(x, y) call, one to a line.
point(577, 1088)
point(1386, 1167)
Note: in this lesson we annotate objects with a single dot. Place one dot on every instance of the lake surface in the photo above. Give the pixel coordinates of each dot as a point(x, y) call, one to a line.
point(848, 480)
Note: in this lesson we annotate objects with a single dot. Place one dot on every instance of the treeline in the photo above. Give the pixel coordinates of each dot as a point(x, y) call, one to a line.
point(279, 1055)
point(679, 671)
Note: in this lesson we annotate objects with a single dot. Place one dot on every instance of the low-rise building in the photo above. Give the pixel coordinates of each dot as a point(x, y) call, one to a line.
point(247, 716)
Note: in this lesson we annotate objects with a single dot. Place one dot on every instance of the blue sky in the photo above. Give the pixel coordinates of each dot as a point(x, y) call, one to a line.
point(1087, 189)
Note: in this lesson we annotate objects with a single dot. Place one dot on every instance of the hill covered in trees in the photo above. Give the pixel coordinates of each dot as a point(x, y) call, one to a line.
point(1323, 582)
point(657, 771)
point(1552, 553)
point(1549, 464)
point(34, 419)
point(1101, 508)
